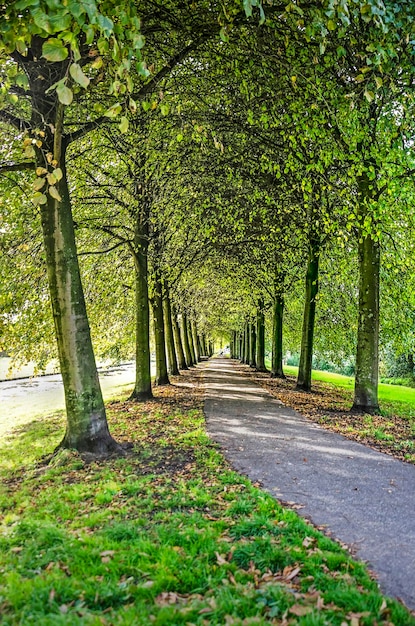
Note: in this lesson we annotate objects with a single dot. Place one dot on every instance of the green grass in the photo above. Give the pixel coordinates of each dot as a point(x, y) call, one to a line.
point(394, 399)
point(166, 535)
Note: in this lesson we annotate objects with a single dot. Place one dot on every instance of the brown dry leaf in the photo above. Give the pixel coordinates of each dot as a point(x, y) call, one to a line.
point(167, 597)
point(16, 549)
point(220, 559)
point(383, 607)
point(308, 541)
point(290, 572)
point(107, 553)
point(300, 609)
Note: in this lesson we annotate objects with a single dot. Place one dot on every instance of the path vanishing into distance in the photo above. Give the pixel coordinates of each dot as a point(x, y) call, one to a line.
point(364, 498)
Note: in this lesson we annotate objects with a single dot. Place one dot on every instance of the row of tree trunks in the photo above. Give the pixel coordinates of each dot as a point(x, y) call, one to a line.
point(367, 355)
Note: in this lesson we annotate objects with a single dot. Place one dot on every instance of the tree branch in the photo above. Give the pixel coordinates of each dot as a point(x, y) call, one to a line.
point(142, 93)
point(15, 121)
point(16, 167)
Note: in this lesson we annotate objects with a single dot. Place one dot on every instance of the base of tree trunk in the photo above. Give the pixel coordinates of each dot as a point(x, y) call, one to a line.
point(99, 446)
point(302, 387)
point(141, 396)
point(174, 372)
point(162, 382)
point(357, 408)
point(183, 368)
point(280, 375)
point(263, 370)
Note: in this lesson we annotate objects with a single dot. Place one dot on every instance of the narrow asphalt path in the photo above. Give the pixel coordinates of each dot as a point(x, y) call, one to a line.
point(366, 499)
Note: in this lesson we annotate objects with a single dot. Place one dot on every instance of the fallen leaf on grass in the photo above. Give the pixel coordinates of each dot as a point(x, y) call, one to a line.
point(107, 555)
point(300, 610)
point(308, 541)
point(290, 572)
point(167, 597)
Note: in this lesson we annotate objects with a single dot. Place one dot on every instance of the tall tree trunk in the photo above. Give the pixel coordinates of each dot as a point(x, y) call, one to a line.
point(307, 339)
point(185, 338)
point(142, 386)
point(204, 345)
point(252, 345)
point(162, 377)
point(260, 332)
point(233, 344)
point(195, 340)
point(277, 328)
point(181, 359)
point(241, 346)
point(173, 367)
point(190, 340)
point(248, 343)
point(367, 356)
point(86, 428)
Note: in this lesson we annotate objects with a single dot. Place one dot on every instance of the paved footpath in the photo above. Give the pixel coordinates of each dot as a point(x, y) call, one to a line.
point(366, 499)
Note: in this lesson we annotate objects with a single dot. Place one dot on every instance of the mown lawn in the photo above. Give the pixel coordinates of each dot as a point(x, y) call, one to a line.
point(168, 534)
point(395, 399)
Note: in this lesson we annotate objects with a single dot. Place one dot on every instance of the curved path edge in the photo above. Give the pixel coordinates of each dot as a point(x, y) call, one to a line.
point(364, 498)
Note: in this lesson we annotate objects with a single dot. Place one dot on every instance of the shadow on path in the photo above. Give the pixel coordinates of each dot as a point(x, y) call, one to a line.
point(365, 498)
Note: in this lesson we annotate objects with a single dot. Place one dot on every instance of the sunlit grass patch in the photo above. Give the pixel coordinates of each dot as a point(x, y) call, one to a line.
point(167, 535)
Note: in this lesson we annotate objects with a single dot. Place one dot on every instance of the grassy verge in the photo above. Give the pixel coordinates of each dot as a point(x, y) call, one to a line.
point(394, 399)
point(168, 534)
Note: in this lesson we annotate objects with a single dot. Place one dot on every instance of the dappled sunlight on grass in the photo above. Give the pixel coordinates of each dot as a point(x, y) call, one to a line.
point(168, 534)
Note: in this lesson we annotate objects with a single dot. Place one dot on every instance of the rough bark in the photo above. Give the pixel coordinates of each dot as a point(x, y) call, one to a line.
point(260, 345)
point(173, 367)
point(307, 339)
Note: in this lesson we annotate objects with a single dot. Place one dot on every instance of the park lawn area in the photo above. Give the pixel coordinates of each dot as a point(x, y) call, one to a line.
point(168, 534)
point(393, 399)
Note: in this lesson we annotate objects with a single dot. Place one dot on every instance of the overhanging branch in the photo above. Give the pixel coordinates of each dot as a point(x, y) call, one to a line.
point(15, 121)
point(142, 93)
point(16, 167)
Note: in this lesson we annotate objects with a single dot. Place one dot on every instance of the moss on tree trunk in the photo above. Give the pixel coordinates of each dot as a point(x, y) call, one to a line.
point(142, 386)
point(367, 355)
